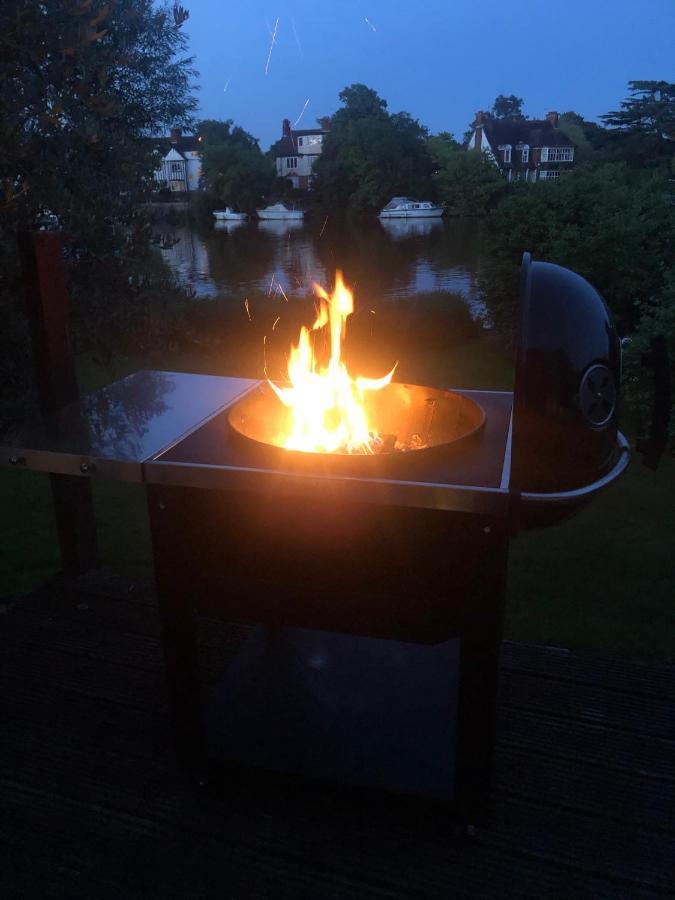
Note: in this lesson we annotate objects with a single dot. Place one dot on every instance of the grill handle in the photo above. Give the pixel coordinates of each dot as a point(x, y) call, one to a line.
point(578, 495)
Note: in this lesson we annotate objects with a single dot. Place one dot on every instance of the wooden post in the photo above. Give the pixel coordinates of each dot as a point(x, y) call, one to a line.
point(47, 306)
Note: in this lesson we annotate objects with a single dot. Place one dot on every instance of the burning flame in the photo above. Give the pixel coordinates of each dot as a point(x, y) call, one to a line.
point(326, 404)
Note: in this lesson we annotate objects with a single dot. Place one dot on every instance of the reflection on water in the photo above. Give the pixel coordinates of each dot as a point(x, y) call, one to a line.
point(280, 227)
point(228, 224)
point(381, 260)
point(405, 228)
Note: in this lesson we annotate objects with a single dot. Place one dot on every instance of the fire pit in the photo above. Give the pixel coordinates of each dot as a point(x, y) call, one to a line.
point(374, 558)
point(407, 419)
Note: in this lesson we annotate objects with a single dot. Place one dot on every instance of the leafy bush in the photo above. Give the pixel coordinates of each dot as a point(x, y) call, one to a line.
point(613, 226)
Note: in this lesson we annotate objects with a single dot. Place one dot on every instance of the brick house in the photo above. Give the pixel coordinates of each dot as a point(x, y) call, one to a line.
point(524, 149)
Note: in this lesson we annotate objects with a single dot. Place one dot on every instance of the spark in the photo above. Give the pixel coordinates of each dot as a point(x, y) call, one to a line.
point(248, 311)
point(276, 322)
point(368, 22)
point(283, 292)
point(269, 290)
point(297, 39)
point(227, 84)
point(302, 112)
point(372, 312)
point(274, 40)
point(323, 227)
point(265, 354)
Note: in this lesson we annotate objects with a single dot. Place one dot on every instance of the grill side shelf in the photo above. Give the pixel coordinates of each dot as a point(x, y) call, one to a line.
point(111, 432)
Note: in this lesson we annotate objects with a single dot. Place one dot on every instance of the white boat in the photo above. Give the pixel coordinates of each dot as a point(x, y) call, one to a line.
point(405, 208)
point(279, 211)
point(229, 215)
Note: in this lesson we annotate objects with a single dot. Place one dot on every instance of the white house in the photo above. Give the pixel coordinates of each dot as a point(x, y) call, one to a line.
point(180, 165)
point(524, 149)
point(297, 151)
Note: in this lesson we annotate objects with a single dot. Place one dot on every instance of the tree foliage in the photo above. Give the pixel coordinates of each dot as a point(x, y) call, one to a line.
point(235, 171)
point(468, 183)
point(82, 85)
point(655, 319)
point(510, 107)
point(611, 225)
point(644, 126)
point(370, 155)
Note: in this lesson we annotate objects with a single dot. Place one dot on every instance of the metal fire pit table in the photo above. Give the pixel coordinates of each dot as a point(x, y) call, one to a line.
point(377, 590)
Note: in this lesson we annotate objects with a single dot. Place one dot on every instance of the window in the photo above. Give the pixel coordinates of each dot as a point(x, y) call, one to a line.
point(299, 142)
point(291, 162)
point(506, 150)
point(176, 170)
point(525, 154)
point(548, 176)
point(557, 154)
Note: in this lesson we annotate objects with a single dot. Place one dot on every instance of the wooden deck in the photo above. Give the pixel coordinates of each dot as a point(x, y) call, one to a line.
point(92, 806)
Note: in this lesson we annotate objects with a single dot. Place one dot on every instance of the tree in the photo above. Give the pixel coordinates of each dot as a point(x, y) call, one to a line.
point(644, 126)
point(82, 85)
point(510, 107)
point(611, 225)
point(369, 155)
point(468, 183)
point(235, 170)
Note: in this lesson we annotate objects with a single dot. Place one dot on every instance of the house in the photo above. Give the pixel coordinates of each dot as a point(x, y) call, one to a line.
point(524, 149)
point(297, 151)
point(180, 167)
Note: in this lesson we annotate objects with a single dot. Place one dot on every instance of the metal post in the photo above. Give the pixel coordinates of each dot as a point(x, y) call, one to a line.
point(47, 307)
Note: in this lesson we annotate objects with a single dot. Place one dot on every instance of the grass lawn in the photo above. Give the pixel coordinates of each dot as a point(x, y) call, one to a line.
point(604, 581)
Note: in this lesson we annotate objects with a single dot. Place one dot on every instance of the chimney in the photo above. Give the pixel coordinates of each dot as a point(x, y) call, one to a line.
point(286, 128)
point(478, 125)
point(175, 135)
point(552, 117)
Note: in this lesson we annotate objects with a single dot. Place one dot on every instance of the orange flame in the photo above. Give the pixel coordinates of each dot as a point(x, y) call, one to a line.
point(326, 403)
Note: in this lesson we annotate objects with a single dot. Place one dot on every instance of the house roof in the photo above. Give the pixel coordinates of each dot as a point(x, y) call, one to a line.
point(535, 132)
point(288, 144)
point(184, 144)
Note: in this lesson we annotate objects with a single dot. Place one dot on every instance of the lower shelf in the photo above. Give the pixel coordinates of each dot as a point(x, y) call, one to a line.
point(355, 710)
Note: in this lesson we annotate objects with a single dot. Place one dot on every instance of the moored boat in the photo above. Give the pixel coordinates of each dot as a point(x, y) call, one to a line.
point(229, 215)
point(279, 211)
point(406, 208)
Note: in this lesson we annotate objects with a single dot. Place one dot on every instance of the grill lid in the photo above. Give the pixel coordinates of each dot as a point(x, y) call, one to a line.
point(568, 370)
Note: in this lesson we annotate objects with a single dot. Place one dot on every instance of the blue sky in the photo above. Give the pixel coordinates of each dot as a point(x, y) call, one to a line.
point(439, 60)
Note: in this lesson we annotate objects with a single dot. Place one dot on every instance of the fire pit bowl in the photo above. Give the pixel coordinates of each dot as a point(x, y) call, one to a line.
point(424, 420)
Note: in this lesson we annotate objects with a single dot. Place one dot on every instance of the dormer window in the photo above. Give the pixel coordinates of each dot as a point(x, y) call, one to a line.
point(506, 150)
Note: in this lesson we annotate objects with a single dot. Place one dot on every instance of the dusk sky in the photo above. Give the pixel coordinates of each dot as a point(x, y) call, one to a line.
point(439, 60)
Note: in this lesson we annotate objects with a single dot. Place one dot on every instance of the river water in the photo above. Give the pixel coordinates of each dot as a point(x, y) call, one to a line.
point(380, 260)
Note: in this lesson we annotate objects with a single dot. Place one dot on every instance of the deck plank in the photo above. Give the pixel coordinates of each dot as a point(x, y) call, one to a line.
point(91, 804)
